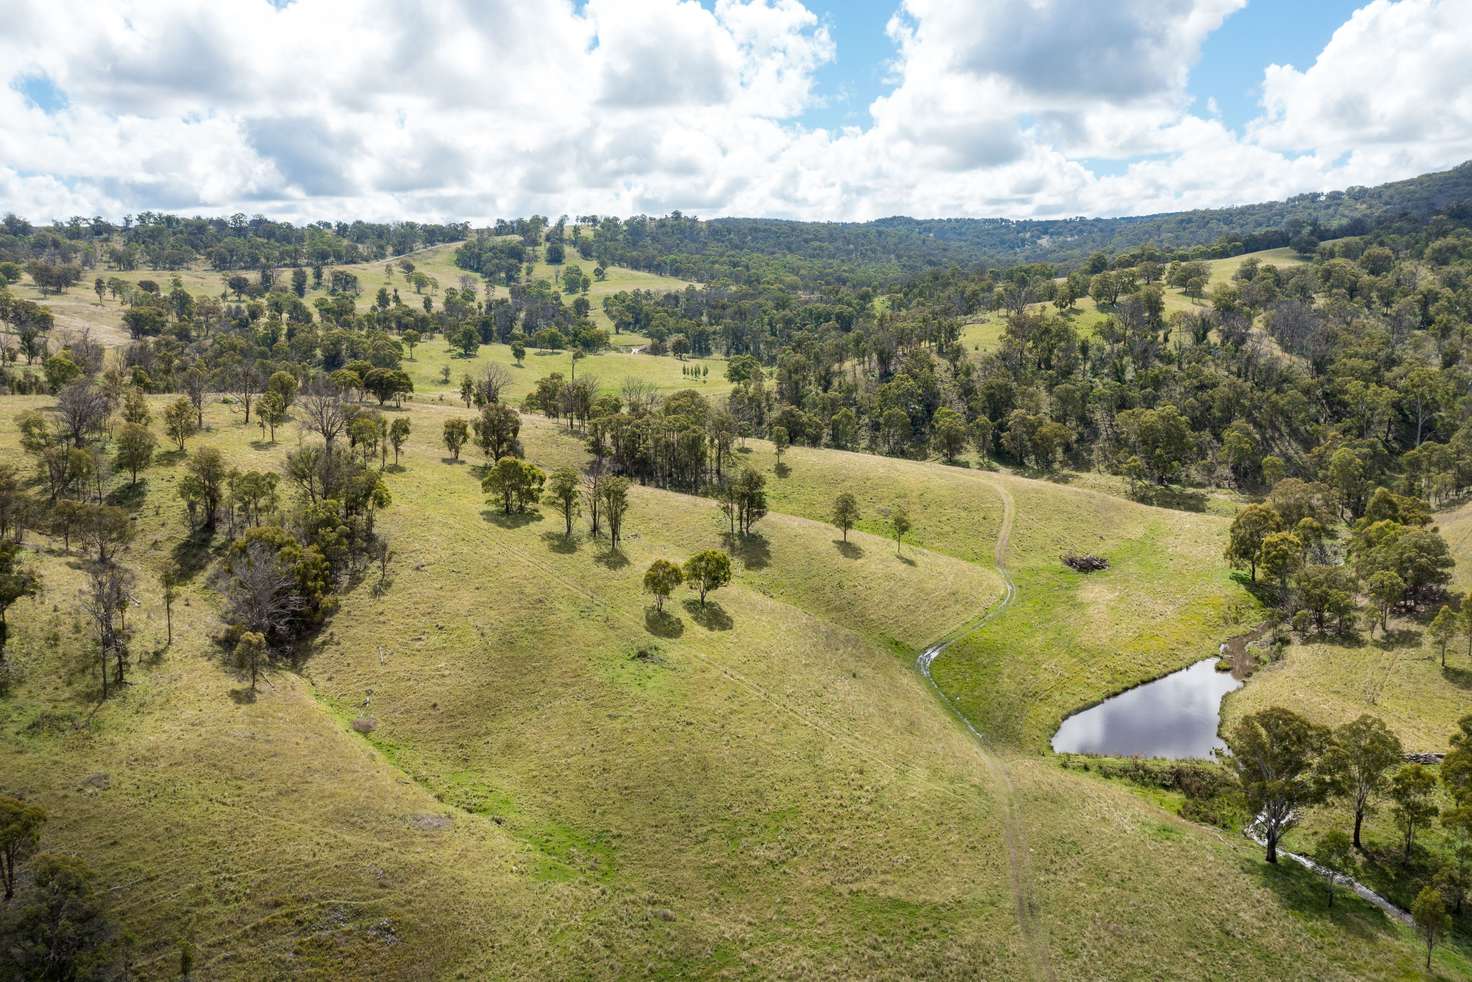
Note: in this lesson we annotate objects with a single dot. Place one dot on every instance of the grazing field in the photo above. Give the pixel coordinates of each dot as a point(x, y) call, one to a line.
point(610, 367)
point(501, 763)
point(1071, 638)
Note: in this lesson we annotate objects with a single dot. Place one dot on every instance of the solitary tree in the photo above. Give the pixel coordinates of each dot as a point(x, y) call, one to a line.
point(20, 830)
point(398, 435)
point(517, 483)
point(1335, 856)
point(179, 421)
point(845, 512)
point(614, 498)
point(564, 489)
point(661, 579)
point(135, 446)
point(273, 410)
point(899, 522)
point(1273, 754)
point(1432, 920)
point(250, 655)
point(1412, 789)
point(105, 529)
point(496, 431)
point(169, 583)
point(1443, 629)
point(780, 441)
point(1252, 525)
point(203, 484)
point(457, 431)
point(708, 571)
point(1359, 755)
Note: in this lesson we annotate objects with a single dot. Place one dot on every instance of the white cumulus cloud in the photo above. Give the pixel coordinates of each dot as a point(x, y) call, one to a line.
point(474, 109)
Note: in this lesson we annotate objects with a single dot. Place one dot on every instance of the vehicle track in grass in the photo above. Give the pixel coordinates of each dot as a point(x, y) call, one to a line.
point(1013, 834)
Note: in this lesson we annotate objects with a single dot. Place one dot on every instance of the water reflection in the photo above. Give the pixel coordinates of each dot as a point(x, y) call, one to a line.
point(1175, 716)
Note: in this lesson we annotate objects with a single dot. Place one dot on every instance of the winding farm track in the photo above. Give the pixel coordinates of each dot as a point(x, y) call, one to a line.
point(1013, 834)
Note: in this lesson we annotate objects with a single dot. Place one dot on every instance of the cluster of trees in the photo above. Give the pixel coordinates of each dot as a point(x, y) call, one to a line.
point(284, 563)
point(705, 572)
point(161, 241)
point(53, 923)
point(1394, 557)
point(1285, 764)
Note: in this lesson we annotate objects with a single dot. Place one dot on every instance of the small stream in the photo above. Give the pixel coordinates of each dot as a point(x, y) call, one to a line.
point(1176, 716)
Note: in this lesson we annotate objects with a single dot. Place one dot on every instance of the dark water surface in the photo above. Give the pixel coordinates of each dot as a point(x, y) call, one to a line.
point(1175, 716)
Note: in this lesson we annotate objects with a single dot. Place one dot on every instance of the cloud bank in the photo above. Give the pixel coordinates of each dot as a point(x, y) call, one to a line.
point(475, 109)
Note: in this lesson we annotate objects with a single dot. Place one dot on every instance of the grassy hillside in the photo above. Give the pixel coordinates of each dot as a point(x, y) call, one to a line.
point(78, 308)
point(610, 367)
point(501, 765)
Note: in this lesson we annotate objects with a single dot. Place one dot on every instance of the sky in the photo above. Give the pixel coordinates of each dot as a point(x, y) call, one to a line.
point(814, 109)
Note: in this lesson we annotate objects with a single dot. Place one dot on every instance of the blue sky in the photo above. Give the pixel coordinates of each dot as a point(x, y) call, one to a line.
point(784, 108)
point(1230, 68)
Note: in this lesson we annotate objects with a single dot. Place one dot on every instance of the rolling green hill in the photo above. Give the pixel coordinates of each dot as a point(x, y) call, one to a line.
point(498, 764)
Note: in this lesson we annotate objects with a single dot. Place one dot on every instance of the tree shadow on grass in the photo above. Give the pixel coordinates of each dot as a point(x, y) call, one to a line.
point(243, 696)
point(515, 520)
point(753, 550)
point(1261, 589)
point(1398, 637)
point(612, 559)
point(192, 554)
point(712, 616)
point(560, 542)
point(454, 461)
point(1178, 499)
point(849, 550)
point(782, 470)
point(1306, 893)
point(908, 561)
point(662, 623)
point(1460, 677)
point(168, 458)
point(129, 496)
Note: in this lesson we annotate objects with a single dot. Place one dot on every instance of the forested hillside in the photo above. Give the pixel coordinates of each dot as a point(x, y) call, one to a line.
point(747, 250)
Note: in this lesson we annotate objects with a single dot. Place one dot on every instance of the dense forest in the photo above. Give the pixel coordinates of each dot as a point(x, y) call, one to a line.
point(153, 240)
point(748, 250)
